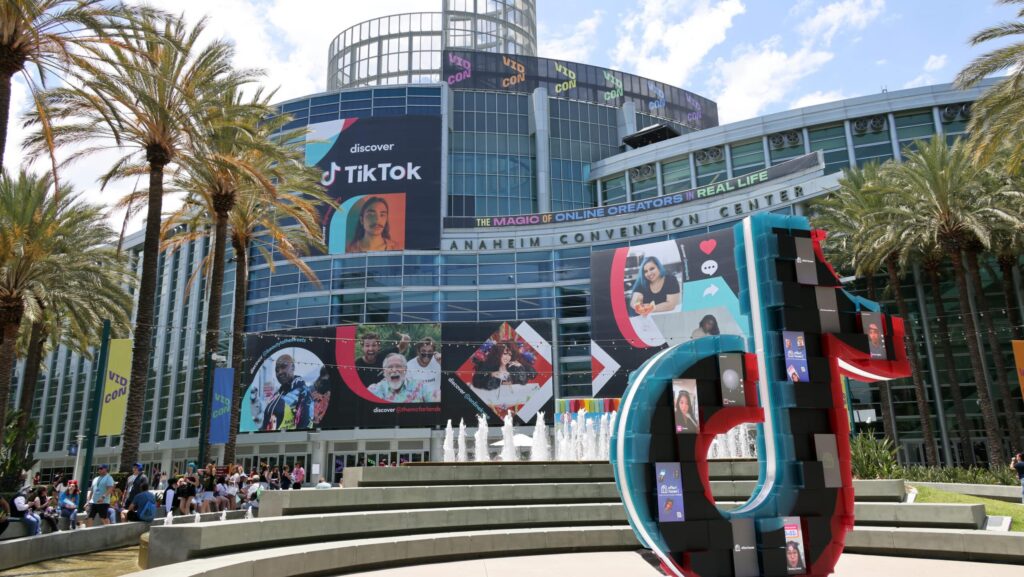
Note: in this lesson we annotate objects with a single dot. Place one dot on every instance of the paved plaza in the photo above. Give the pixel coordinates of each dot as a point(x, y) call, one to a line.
point(631, 564)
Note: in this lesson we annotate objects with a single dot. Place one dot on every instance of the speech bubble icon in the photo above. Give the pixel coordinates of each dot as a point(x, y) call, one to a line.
point(712, 290)
point(709, 267)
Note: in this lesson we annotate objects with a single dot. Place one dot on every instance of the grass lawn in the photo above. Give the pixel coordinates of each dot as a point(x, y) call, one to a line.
point(992, 506)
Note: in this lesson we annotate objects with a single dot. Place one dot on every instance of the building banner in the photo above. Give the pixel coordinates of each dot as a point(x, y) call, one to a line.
point(385, 175)
point(115, 387)
point(498, 368)
point(220, 412)
point(1018, 361)
point(367, 376)
point(651, 296)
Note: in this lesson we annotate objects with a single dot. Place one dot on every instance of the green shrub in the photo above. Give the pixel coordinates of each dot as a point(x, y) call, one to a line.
point(872, 458)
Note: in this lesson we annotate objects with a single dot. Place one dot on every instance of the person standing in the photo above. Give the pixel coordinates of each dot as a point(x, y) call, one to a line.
point(298, 475)
point(101, 491)
point(134, 484)
point(1018, 465)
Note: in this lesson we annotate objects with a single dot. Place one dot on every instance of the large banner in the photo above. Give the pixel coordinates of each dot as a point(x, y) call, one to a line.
point(115, 387)
point(220, 413)
point(498, 368)
point(652, 296)
point(1018, 361)
point(381, 172)
point(390, 375)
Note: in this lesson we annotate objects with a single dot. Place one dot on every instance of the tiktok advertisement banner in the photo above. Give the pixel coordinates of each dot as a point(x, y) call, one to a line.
point(648, 297)
point(384, 173)
point(396, 375)
point(498, 368)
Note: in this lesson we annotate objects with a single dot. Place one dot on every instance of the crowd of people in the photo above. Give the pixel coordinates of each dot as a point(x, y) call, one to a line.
point(135, 498)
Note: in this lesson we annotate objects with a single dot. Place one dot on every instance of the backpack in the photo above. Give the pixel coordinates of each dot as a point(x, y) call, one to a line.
point(148, 511)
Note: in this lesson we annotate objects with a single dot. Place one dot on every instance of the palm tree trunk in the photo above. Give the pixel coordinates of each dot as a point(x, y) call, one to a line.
point(220, 233)
point(10, 320)
point(1005, 393)
point(888, 417)
point(942, 335)
point(238, 345)
point(5, 111)
point(142, 348)
point(37, 338)
point(920, 394)
point(993, 440)
point(1007, 264)
point(871, 288)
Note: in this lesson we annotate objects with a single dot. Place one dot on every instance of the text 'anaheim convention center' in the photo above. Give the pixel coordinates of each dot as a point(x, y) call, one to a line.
point(478, 186)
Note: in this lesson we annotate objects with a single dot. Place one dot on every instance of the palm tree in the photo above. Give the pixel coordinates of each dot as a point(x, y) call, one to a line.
point(931, 262)
point(881, 243)
point(945, 203)
point(146, 96)
point(52, 255)
point(41, 34)
point(997, 117)
point(237, 154)
point(73, 313)
point(845, 213)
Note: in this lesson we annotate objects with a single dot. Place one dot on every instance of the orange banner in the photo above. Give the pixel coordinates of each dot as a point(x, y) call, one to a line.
point(1018, 360)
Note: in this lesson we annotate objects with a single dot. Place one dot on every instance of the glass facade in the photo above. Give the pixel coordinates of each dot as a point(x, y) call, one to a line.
point(407, 48)
point(581, 133)
point(491, 155)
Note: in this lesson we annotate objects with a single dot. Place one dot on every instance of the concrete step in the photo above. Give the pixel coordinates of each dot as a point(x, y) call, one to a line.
point(998, 492)
point(182, 542)
point(524, 472)
point(313, 501)
point(325, 558)
point(958, 544)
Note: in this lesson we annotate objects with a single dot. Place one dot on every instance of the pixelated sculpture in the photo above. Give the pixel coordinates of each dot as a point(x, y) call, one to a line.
point(807, 333)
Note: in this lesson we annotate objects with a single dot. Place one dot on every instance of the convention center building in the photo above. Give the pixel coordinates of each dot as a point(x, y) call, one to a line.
point(475, 184)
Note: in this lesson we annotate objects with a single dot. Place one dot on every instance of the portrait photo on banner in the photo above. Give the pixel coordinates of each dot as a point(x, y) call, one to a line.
point(369, 223)
point(282, 395)
point(399, 363)
point(510, 371)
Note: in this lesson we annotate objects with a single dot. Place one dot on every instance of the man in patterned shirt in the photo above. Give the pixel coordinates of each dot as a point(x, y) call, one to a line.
point(396, 386)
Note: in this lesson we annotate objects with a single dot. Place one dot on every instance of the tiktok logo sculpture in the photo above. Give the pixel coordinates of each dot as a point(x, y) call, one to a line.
point(805, 334)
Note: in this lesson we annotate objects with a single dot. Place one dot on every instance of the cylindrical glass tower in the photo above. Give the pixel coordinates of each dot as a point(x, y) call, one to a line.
point(406, 48)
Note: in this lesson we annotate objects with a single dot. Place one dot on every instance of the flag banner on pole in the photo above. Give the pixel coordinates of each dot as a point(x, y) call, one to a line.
point(220, 412)
point(115, 387)
point(1018, 361)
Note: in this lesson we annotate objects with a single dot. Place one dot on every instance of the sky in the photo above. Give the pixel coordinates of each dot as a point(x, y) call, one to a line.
point(751, 57)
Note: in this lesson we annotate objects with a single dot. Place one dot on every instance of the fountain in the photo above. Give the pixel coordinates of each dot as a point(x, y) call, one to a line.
point(462, 456)
point(508, 442)
point(481, 453)
point(223, 514)
point(448, 444)
point(197, 518)
point(539, 449)
point(169, 519)
point(248, 513)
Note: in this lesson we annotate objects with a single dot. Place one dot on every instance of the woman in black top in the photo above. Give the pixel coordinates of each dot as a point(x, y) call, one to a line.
point(655, 291)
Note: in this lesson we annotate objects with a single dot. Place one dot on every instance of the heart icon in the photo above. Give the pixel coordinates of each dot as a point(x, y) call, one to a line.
point(708, 246)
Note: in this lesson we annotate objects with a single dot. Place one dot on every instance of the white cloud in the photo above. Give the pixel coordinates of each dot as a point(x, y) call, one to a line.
point(881, 62)
point(666, 40)
point(20, 99)
point(935, 63)
point(575, 46)
point(818, 97)
point(758, 76)
point(843, 15)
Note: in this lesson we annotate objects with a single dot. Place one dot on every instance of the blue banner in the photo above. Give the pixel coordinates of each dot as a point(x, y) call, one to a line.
point(220, 416)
